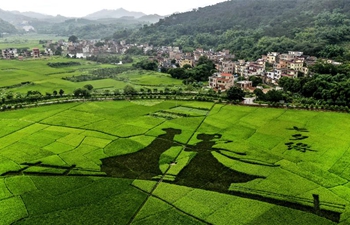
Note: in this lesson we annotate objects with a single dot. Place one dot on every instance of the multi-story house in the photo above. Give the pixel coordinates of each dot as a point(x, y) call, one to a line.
point(272, 57)
point(286, 57)
point(240, 69)
point(273, 76)
point(305, 70)
point(228, 67)
point(36, 53)
point(290, 74)
point(9, 53)
point(296, 64)
point(221, 81)
point(184, 62)
point(281, 64)
point(295, 53)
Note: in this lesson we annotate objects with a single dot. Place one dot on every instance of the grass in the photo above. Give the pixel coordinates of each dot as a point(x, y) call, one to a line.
point(203, 161)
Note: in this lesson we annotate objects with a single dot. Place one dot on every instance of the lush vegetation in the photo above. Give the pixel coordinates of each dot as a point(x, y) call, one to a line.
point(252, 28)
point(201, 72)
point(99, 74)
point(329, 86)
point(55, 159)
point(63, 64)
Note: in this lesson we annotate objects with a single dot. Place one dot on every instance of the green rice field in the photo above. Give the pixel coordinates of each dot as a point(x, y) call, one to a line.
point(122, 162)
point(38, 76)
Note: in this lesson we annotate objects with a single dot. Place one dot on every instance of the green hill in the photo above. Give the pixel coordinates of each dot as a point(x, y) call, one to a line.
point(87, 29)
point(6, 27)
point(250, 27)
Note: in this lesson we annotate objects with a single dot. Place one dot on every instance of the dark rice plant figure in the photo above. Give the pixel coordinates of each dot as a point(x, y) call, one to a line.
point(206, 172)
point(143, 164)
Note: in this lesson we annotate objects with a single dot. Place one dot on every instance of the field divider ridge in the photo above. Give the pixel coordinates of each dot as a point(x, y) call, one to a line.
point(166, 172)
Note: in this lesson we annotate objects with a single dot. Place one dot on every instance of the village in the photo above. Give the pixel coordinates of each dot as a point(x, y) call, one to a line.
point(230, 71)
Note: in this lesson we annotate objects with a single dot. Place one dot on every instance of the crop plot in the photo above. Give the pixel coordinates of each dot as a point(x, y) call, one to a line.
point(116, 162)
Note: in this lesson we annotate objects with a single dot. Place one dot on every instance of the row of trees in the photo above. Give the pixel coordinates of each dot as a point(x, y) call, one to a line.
point(146, 65)
point(31, 96)
point(63, 64)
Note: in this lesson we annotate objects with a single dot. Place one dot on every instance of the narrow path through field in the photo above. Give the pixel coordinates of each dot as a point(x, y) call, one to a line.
point(165, 173)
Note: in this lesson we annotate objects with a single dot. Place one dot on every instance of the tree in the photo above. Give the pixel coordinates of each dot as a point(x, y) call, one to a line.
point(81, 92)
point(134, 51)
point(89, 87)
point(292, 85)
point(73, 39)
point(129, 90)
point(58, 50)
point(127, 59)
point(255, 80)
point(235, 93)
point(146, 65)
point(9, 95)
point(178, 73)
point(54, 93)
point(99, 44)
point(259, 94)
point(61, 92)
point(274, 96)
point(187, 66)
point(34, 95)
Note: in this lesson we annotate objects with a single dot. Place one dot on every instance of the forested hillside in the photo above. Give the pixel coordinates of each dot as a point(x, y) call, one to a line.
point(250, 28)
point(87, 29)
point(6, 27)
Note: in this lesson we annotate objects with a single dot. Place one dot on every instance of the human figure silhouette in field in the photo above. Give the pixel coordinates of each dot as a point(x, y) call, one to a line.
point(143, 164)
point(206, 172)
point(203, 171)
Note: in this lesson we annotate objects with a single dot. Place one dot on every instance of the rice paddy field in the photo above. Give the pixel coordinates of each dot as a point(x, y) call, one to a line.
point(123, 162)
point(46, 79)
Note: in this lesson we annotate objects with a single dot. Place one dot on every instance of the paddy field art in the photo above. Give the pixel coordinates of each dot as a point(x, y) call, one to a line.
point(173, 162)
